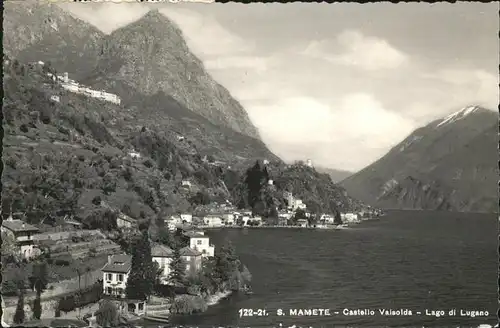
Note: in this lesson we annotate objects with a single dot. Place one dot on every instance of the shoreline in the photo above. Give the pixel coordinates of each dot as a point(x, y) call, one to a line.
point(335, 227)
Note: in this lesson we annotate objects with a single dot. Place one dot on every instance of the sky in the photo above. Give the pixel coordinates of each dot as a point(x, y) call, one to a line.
point(339, 84)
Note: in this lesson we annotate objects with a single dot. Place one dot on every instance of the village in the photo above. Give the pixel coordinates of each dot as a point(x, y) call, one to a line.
point(108, 266)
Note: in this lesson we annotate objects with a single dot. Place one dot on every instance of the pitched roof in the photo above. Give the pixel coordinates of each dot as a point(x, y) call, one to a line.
point(159, 250)
point(118, 263)
point(18, 226)
point(186, 251)
point(127, 218)
point(194, 234)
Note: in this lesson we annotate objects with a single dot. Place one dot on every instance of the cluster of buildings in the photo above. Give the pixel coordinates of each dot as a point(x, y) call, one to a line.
point(117, 270)
point(75, 87)
point(214, 219)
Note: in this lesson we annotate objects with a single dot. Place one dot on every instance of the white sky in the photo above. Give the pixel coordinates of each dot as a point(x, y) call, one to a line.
point(337, 83)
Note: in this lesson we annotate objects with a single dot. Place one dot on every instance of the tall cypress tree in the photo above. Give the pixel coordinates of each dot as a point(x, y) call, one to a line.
point(141, 278)
point(19, 315)
point(177, 275)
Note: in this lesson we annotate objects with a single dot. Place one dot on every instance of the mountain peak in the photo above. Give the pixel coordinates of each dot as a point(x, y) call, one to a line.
point(462, 113)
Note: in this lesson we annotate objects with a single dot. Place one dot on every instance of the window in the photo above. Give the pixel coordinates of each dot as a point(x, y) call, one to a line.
point(141, 306)
point(199, 242)
point(109, 290)
point(109, 277)
point(120, 277)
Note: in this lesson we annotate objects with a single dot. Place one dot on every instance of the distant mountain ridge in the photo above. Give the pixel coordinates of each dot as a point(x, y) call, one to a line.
point(335, 175)
point(149, 55)
point(449, 164)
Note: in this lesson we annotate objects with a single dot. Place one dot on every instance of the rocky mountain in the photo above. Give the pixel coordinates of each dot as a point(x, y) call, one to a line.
point(148, 56)
point(335, 175)
point(449, 164)
point(317, 190)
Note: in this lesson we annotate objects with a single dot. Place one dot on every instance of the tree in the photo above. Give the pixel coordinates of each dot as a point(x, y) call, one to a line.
point(107, 315)
point(141, 279)
point(39, 280)
point(299, 215)
point(226, 263)
point(337, 217)
point(177, 275)
point(19, 315)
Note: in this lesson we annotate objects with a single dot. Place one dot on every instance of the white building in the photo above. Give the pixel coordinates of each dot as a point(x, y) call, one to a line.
point(115, 274)
point(186, 218)
point(270, 182)
point(326, 218)
point(265, 162)
point(134, 154)
point(302, 223)
point(125, 221)
point(212, 221)
point(186, 183)
point(349, 217)
point(256, 220)
point(228, 218)
point(55, 98)
point(309, 163)
point(22, 234)
point(201, 243)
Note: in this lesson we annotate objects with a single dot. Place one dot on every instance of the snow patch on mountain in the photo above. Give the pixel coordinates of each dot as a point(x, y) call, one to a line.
point(410, 142)
point(458, 115)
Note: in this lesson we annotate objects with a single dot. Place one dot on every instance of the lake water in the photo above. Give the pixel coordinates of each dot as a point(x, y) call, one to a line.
point(407, 260)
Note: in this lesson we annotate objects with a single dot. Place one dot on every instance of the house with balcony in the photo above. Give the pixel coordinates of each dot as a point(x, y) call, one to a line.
point(200, 242)
point(22, 234)
point(115, 274)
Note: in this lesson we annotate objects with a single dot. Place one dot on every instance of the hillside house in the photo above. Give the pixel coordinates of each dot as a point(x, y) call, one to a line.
point(265, 162)
point(186, 183)
point(125, 221)
point(55, 98)
point(134, 154)
point(201, 243)
point(22, 234)
point(270, 182)
point(115, 274)
point(212, 220)
point(162, 255)
point(309, 163)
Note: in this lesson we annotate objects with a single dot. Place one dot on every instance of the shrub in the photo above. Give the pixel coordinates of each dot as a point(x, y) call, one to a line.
point(23, 128)
point(188, 304)
point(97, 200)
point(147, 163)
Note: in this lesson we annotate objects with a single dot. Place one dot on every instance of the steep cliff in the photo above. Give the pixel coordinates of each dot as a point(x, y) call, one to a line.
point(148, 56)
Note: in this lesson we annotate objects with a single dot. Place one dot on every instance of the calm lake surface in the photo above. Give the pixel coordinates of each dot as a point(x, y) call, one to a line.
point(407, 260)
